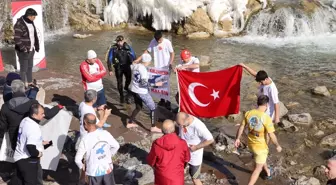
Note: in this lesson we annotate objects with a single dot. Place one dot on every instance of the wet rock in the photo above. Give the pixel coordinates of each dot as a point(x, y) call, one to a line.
point(331, 121)
point(236, 118)
point(292, 104)
point(292, 163)
point(303, 180)
point(204, 60)
point(303, 119)
point(81, 19)
point(35, 69)
point(121, 140)
point(283, 110)
point(222, 34)
point(156, 136)
point(131, 163)
point(319, 133)
point(309, 144)
point(285, 124)
point(224, 140)
point(199, 21)
point(198, 35)
point(147, 174)
point(329, 141)
point(9, 68)
point(321, 90)
point(319, 173)
point(81, 36)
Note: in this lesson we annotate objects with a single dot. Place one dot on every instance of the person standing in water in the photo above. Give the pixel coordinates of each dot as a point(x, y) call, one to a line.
point(120, 56)
point(163, 52)
point(26, 43)
point(259, 124)
point(139, 90)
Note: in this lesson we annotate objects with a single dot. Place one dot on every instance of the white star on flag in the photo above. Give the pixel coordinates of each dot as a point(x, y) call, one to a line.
point(215, 94)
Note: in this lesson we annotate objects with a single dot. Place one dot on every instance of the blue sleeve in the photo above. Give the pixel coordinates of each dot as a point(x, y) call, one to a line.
point(110, 56)
point(132, 53)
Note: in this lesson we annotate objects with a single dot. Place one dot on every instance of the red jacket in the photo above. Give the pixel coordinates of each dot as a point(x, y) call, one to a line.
point(168, 156)
point(87, 77)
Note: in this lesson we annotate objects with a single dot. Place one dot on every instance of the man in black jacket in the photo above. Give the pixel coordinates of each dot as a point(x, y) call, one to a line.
point(26, 43)
point(120, 56)
point(13, 111)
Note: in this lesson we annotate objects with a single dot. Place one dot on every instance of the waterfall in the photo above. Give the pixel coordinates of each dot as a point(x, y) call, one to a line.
point(291, 22)
point(55, 17)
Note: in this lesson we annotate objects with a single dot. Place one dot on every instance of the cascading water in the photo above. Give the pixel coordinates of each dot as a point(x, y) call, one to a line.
point(292, 27)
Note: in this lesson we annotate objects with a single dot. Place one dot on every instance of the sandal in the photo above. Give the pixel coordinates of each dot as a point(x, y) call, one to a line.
point(271, 173)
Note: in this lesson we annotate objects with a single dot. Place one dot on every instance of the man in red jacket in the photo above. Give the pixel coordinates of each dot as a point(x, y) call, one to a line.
point(168, 156)
point(93, 70)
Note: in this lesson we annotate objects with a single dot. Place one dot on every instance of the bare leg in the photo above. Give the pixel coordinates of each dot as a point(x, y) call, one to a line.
point(255, 175)
point(197, 182)
point(267, 170)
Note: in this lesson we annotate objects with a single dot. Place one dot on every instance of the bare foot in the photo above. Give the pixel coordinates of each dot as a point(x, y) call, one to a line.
point(131, 125)
point(155, 129)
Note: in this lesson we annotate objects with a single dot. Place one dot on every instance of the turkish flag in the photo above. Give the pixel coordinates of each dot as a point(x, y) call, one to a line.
point(210, 94)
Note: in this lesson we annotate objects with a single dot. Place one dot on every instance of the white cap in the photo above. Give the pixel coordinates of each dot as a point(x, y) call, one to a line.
point(146, 57)
point(91, 54)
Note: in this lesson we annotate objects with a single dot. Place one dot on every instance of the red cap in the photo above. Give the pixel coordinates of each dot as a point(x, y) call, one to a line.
point(185, 54)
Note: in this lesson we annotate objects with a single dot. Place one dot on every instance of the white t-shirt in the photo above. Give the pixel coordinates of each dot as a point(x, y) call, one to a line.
point(97, 85)
point(85, 109)
point(139, 73)
point(195, 134)
point(31, 35)
point(193, 60)
point(272, 92)
point(29, 134)
point(99, 147)
point(161, 52)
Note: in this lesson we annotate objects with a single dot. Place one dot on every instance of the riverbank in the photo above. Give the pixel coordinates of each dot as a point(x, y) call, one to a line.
point(222, 165)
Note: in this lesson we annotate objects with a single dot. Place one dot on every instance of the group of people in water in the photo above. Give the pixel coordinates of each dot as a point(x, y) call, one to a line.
point(169, 155)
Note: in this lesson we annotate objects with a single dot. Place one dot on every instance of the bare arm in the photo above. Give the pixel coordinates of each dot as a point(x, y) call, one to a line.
point(274, 139)
point(140, 57)
point(103, 115)
point(238, 135)
point(248, 69)
point(191, 66)
point(172, 55)
point(204, 144)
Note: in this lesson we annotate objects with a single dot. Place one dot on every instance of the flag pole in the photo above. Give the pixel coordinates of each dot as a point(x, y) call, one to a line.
point(178, 90)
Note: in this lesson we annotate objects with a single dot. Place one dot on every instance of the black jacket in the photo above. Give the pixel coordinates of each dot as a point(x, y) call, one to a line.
point(331, 182)
point(12, 113)
point(21, 36)
point(118, 56)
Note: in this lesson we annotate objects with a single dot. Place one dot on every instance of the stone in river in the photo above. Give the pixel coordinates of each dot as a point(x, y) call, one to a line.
point(283, 110)
point(198, 35)
point(204, 60)
point(329, 141)
point(303, 119)
point(319, 133)
point(321, 90)
point(303, 180)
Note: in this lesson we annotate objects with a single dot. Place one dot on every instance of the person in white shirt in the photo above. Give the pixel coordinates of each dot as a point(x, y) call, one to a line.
point(268, 88)
point(29, 148)
point(98, 146)
point(197, 136)
point(90, 97)
point(188, 63)
point(92, 71)
point(163, 52)
point(139, 90)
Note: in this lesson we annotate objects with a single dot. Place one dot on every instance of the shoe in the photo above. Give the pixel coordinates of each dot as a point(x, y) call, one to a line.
point(155, 129)
point(271, 173)
point(162, 102)
point(106, 125)
point(168, 105)
point(131, 125)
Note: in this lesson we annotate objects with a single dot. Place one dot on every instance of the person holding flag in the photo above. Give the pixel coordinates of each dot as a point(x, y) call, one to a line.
point(188, 63)
point(139, 90)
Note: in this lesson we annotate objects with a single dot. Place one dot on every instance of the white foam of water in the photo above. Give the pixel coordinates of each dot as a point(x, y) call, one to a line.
point(53, 35)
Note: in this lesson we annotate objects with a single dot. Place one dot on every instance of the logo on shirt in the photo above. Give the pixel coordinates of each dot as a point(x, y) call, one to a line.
point(255, 123)
point(101, 150)
point(160, 48)
point(137, 77)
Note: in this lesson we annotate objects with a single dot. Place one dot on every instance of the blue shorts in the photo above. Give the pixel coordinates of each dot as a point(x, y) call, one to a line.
point(101, 99)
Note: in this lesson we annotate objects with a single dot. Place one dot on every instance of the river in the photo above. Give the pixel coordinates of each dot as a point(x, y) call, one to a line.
point(295, 68)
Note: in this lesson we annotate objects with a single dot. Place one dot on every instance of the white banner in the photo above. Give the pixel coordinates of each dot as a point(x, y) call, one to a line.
point(157, 75)
point(18, 9)
point(55, 130)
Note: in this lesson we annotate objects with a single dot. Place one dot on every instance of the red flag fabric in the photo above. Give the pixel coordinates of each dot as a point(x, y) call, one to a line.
point(210, 94)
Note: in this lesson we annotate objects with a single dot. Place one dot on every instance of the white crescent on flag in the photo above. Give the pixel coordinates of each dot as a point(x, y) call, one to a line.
point(191, 92)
